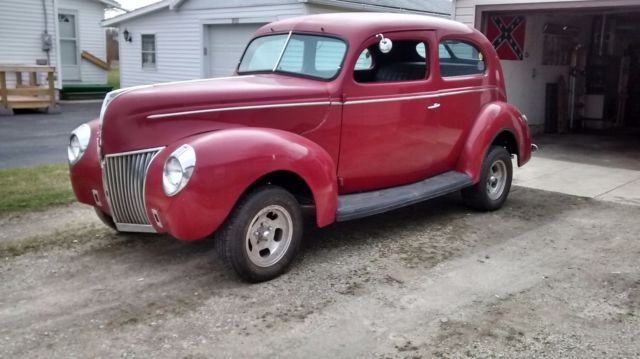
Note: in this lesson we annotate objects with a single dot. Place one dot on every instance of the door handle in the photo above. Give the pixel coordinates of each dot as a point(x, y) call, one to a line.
point(434, 106)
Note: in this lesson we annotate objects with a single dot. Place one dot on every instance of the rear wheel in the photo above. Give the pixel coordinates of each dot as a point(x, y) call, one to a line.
point(495, 181)
point(262, 235)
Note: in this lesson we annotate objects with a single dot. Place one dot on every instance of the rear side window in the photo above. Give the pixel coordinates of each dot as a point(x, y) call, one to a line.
point(460, 58)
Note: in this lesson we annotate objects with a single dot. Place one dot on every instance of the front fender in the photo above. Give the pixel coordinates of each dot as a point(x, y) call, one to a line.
point(86, 174)
point(227, 163)
point(493, 119)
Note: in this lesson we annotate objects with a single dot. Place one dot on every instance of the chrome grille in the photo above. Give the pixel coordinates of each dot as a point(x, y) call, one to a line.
point(124, 177)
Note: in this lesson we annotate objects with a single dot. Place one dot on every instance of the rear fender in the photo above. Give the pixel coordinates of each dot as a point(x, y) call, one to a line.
point(494, 118)
point(227, 163)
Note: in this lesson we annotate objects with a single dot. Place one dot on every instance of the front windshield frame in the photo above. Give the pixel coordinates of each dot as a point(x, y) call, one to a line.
point(289, 35)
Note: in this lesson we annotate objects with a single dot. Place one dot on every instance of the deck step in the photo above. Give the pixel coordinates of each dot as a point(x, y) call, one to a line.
point(358, 205)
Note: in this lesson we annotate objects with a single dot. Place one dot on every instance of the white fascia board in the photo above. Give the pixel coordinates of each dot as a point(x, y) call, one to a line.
point(114, 21)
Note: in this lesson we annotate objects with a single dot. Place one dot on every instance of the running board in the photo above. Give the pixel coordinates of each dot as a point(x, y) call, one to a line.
point(358, 205)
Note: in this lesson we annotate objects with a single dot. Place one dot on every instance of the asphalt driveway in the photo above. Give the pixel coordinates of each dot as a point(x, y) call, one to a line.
point(35, 138)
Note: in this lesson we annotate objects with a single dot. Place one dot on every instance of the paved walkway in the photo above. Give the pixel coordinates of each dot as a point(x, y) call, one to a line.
point(34, 138)
point(605, 183)
point(604, 167)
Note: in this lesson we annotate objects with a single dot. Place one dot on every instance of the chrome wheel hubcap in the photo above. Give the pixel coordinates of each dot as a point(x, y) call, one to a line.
point(269, 236)
point(497, 179)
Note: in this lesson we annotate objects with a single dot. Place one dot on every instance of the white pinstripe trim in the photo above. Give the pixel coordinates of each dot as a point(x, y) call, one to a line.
point(240, 108)
point(321, 103)
point(418, 97)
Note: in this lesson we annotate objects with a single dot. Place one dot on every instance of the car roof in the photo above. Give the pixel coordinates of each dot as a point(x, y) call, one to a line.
point(359, 24)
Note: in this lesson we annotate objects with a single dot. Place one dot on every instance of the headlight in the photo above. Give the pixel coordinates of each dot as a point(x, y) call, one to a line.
point(78, 143)
point(178, 169)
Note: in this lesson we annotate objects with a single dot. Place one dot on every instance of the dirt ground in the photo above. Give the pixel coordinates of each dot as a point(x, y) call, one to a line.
point(549, 276)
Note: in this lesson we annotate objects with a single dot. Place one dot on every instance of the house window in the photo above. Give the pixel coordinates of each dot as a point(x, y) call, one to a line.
point(148, 51)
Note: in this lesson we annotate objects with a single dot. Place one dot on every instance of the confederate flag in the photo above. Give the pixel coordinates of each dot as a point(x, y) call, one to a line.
point(506, 33)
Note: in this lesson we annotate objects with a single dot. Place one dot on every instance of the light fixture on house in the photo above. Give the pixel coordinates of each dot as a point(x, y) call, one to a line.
point(127, 35)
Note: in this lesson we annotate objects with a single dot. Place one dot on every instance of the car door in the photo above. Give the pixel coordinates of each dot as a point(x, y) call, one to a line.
point(390, 114)
point(465, 86)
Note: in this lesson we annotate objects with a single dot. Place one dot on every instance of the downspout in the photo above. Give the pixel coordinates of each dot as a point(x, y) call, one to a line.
point(57, 44)
point(46, 32)
point(453, 9)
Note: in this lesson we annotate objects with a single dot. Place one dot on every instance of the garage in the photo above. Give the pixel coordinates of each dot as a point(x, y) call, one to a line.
point(570, 66)
point(225, 46)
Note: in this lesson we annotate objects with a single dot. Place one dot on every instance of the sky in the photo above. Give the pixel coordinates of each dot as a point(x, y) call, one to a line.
point(134, 4)
point(129, 5)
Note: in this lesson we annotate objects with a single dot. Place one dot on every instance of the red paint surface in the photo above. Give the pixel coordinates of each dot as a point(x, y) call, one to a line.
point(368, 145)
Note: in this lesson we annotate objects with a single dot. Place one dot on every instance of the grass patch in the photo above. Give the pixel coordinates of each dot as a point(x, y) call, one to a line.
point(34, 188)
point(113, 78)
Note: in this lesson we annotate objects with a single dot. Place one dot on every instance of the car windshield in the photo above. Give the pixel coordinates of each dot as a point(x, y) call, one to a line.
point(307, 55)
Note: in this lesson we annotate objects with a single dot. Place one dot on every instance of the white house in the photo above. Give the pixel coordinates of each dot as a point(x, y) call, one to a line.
point(55, 33)
point(580, 59)
point(186, 39)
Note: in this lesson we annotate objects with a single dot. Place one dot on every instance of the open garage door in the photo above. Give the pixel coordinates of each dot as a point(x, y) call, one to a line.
point(225, 46)
point(569, 66)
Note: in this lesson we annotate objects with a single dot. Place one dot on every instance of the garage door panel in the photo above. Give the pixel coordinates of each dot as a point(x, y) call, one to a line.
point(226, 44)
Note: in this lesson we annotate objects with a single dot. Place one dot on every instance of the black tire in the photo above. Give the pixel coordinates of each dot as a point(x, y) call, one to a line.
point(487, 195)
point(106, 219)
point(254, 223)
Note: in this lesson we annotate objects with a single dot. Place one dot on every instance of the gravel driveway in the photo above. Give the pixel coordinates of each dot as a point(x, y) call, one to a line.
point(550, 275)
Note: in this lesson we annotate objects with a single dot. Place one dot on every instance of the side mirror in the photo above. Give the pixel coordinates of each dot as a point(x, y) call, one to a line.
point(385, 44)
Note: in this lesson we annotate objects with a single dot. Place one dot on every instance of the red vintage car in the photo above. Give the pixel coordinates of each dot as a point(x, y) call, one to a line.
point(351, 115)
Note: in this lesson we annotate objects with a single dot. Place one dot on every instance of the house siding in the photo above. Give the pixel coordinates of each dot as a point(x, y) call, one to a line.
point(92, 37)
point(180, 37)
point(20, 35)
point(22, 25)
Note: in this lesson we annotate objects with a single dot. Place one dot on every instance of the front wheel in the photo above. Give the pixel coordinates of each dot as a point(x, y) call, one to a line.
point(495, 182)
point(262, 235)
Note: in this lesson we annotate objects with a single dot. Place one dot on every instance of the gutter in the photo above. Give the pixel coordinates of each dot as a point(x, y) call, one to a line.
point(453, 9)
point(356, 5)
point(56, 44)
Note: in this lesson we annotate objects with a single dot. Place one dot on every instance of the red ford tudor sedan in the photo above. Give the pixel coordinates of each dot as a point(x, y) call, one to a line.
point(352, 115)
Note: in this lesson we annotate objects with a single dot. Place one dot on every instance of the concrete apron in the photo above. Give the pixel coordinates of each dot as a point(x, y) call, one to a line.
point(585, 180)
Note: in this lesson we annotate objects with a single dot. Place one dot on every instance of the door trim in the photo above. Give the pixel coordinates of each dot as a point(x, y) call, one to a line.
point(77, 40)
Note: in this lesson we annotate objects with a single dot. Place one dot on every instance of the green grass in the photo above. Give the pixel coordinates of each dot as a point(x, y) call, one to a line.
point(34, 188)
point(113, 78)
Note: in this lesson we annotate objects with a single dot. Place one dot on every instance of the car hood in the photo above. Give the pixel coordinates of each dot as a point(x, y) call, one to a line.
point(157, 115)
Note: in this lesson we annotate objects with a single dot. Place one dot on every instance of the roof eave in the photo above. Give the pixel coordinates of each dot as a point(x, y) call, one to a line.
point(114, 21)
point(371, 7)
point(111, 3)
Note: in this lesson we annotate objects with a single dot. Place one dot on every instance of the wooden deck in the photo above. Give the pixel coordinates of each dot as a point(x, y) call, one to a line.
point(27, 95)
